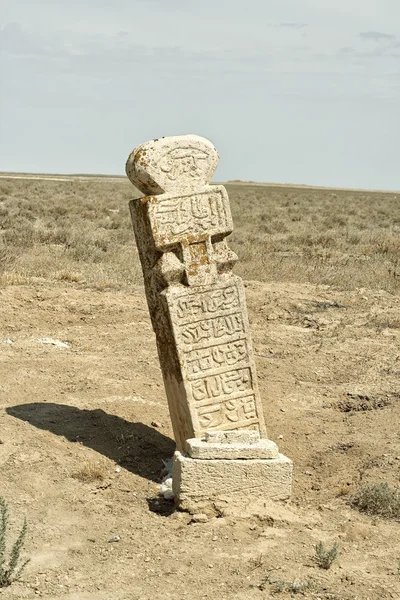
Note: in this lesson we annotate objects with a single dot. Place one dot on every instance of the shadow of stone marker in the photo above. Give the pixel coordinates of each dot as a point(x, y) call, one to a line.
point(135, 446)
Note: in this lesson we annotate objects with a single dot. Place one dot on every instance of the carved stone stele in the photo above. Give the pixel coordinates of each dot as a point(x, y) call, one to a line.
point(197, 305)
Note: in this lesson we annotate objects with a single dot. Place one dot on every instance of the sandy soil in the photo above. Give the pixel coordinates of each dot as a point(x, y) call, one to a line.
point(99, 404)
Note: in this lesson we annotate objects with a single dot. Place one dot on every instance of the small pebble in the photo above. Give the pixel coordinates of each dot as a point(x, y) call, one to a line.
point(199, 518)
point(116, 538)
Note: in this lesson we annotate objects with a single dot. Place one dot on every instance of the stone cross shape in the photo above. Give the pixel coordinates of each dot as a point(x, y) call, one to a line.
point(197, 305)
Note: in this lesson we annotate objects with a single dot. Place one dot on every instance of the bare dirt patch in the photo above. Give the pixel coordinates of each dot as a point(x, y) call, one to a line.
point(85, 429)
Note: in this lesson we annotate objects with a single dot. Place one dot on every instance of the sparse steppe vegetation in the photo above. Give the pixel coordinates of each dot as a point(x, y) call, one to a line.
point(79, 231)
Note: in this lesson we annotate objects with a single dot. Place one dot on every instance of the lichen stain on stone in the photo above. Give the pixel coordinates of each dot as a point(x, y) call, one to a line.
point(192, 238)
point(147, 199)
point(139, 156)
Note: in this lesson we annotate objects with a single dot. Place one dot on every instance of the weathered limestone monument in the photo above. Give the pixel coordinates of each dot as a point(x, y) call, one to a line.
point(198, 311)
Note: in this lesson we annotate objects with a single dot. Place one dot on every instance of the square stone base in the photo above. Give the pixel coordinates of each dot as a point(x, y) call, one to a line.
point(198, 483)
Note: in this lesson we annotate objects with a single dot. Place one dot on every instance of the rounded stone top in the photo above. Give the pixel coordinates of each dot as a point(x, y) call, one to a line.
point(172, 164)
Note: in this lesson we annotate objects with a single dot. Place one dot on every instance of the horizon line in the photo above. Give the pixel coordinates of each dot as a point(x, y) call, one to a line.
point(89, 176)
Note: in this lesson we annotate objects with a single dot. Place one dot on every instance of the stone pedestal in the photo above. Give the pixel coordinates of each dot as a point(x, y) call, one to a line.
point(234, 468)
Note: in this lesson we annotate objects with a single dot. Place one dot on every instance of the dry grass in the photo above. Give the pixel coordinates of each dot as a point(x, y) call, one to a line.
point(342, 238)
point(359, 403)
point(12, 278)
point(90, 472)
point(80, 232)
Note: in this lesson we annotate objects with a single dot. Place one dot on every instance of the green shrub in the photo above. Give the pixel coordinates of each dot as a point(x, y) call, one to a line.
point(378, 499)
point(324, 557)
point(278, 586)
point(10, 570)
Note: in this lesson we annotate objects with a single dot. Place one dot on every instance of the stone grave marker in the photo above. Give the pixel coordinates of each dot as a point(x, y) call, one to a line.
point(197, 305)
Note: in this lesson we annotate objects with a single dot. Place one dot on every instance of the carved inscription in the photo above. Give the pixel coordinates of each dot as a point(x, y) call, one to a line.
point(198, 305)
point(208, 330)
point(211, 331)
point(232, 414)
point(196, 216)
point(200, 362)
point(208, 317)
point(223, 384)
point(185, 161)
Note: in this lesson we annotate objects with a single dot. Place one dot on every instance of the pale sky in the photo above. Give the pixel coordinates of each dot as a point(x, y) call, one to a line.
point(290, 91)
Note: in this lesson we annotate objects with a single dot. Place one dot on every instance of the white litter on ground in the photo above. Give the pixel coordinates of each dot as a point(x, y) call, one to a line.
point(56, 343)
point(166, 482)
point(116, 538)
point(166, 489)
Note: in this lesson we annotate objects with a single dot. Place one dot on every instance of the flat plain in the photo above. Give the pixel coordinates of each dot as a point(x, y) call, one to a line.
point(84, 425)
